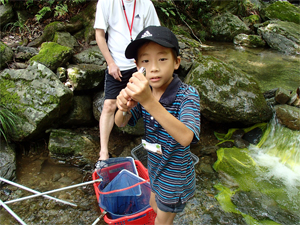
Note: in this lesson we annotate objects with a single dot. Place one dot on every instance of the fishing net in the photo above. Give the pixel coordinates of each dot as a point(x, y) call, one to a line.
point(125, 195)
point(112, 167)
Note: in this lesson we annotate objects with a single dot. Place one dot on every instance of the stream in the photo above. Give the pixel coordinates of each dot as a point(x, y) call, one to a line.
point(36, 170)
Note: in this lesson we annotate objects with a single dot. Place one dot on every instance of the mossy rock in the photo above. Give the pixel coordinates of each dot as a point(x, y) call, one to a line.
point(6, 54)
point(284, 11)
point(53, 55)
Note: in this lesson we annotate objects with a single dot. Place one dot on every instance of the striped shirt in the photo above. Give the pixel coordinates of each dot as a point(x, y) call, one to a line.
point(172, 174)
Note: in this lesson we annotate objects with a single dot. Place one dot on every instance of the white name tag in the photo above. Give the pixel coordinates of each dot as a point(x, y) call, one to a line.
point(156, 148)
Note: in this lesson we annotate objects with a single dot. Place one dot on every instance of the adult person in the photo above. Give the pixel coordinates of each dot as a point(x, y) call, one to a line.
point(121, 20)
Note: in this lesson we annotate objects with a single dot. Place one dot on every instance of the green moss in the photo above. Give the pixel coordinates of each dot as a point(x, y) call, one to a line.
point(50, 51)
point(284, 11)
point(9, 98)
point(52, 55)
point(2, 47)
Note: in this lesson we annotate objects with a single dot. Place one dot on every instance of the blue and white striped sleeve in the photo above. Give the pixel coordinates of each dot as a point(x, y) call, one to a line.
point(190, 112)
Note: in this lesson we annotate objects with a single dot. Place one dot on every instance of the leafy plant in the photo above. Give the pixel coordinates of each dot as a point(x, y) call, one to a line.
point(168, 11)
point(3, 2)
point(14, 25)
point(61, 10)
point(42, 13)
point(7, 121)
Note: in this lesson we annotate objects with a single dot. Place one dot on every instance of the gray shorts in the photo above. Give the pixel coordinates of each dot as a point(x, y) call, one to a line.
point(173, 208)
point(113, 87)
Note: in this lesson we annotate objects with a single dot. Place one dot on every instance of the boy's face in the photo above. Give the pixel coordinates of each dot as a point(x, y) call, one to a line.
point(159, 63)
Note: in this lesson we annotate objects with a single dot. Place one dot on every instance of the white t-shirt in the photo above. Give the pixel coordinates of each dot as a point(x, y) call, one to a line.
point(110, 17)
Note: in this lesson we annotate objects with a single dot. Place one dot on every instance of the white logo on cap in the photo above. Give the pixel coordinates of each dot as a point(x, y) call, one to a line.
point(146, 34)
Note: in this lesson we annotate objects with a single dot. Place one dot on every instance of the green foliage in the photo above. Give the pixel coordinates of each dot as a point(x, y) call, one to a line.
point(42, 13)
point(168, 11)
point(3, 2)
point(56, 8)
point(61, 10)
point(16, 25)
point(8, 121)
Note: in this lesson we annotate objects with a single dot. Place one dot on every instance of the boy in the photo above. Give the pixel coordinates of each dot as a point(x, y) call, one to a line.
point(171, 114)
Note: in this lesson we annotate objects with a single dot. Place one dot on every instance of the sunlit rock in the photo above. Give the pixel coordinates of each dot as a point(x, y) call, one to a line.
point(281, 35)
point(288, 116)
point(227, 94)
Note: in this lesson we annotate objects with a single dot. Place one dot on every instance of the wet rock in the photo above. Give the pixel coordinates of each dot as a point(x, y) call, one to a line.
point(262, 207)
point(282, 96)
point(241, 143)
point(253, 136)
point(288, 116)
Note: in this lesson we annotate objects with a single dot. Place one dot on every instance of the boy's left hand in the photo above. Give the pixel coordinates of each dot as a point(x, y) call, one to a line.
point(138, 88)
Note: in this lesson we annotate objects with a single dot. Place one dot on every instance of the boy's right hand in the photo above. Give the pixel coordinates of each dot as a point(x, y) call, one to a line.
point(124, 102)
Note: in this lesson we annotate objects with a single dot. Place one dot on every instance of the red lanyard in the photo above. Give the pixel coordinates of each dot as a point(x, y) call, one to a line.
point(129, 27)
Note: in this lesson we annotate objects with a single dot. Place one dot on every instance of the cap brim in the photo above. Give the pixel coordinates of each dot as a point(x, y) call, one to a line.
point(132, 48)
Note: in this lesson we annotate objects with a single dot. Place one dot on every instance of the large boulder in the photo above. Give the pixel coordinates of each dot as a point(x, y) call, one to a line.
point(281, 35)
point(53, 55)
point(227, 94)
point(281, 10)
point(6, 54)
point(37, 96)
point(226, 26)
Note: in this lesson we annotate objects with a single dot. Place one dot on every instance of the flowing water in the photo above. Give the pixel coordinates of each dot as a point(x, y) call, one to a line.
point(278, 160)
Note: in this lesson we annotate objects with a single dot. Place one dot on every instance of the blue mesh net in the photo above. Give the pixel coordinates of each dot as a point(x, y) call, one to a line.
point(119, 203)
